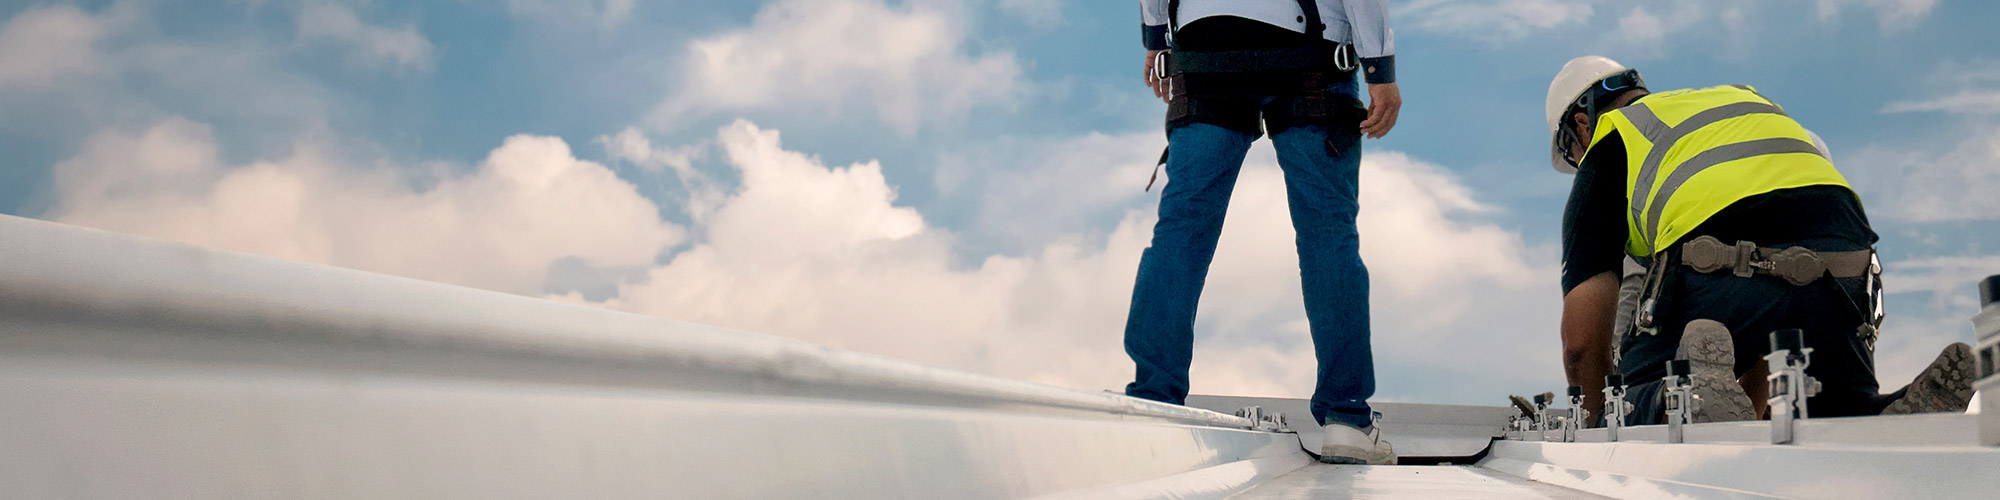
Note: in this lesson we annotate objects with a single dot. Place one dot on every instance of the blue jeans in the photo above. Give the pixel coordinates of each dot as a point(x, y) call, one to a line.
point(1321, 187)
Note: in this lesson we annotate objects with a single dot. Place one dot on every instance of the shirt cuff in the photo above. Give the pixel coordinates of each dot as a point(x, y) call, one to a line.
point(1155, 37)
point(1379, 69)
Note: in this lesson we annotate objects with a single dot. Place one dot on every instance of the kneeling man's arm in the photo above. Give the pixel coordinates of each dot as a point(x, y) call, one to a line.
point(1588, 313)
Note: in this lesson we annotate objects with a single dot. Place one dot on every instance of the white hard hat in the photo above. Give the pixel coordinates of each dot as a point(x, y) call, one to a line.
point(1576, 77)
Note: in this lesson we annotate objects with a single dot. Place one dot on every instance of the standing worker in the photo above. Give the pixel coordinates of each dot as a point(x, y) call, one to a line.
point(1231, 70)
point(1745, 227)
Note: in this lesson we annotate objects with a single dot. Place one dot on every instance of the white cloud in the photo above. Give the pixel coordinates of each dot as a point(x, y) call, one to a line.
point(45, 43)
point(401, 47)
point(500, 227)
point(907, 63)
point(606, 14)
point(1893, 14)
point(1978, 91)
point(1641, 28)
point(1041, 14)
point(824, 254)
point(1491, 20)
point(1921, 186)
point(1967, 102)
point(1073, 182)
point(632, 146)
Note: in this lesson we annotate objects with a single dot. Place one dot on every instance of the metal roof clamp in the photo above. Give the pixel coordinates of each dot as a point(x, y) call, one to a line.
point(1577, 415)
point(1615, 406)
point(1542, 415)
point(1790, 386)
point(1276, 422)
point(1986, 327)
point(1681, 401)
point(1255, 414)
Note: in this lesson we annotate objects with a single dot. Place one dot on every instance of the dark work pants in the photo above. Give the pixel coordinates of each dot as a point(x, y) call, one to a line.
point(1829, 310)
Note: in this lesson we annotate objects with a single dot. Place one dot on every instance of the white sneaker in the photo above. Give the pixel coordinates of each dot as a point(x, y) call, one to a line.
point(1348, 445)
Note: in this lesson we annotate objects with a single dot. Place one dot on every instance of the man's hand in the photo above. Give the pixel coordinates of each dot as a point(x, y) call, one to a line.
point(1385, 101)
point(1161, 88)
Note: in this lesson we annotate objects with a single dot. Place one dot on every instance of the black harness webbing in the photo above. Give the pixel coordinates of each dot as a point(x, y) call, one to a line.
point(1317, 57)
point(1234, 104)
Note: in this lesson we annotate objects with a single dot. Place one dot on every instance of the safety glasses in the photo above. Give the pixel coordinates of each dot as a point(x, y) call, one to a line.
point(1592, 103)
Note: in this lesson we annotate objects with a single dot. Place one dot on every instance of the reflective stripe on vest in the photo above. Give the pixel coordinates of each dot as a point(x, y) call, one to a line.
point(1731, 133)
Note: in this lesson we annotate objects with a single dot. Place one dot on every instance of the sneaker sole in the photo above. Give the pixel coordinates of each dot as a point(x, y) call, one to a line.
point(1944, 386)
point(1349, 455)
point(1711, 355)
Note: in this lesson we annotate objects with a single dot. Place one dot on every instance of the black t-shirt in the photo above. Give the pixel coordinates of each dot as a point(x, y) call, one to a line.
point(1826, 218)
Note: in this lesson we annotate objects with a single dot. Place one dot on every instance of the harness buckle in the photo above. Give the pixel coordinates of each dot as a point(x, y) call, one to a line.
point(1343, 58)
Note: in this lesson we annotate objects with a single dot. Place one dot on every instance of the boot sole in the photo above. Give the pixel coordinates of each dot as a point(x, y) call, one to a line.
point(1711, 355)
point(1944, 386)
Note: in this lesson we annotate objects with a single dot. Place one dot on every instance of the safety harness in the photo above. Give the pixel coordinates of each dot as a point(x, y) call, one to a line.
point(1202, 92)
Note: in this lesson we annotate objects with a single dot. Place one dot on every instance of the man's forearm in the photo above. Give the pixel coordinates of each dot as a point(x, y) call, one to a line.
point(1588, 313)
point(1154, 23)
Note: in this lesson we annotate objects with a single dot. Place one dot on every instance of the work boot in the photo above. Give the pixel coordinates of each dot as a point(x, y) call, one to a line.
point(1348, 445)
point(1945, 386)
point(1711, 356)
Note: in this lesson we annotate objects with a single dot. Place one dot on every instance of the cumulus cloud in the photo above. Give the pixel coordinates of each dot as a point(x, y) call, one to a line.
point(501, 226)
point(908, 63)
point(48, 42)
point(632, 146)
point(824, 253)
point(1073, 181)
point(1491, 20)
point(402, 47)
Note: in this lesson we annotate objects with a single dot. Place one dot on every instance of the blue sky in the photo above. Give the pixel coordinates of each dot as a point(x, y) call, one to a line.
point(951, 181)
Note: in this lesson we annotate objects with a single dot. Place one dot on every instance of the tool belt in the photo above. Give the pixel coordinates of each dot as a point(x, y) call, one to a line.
point(1796, 265)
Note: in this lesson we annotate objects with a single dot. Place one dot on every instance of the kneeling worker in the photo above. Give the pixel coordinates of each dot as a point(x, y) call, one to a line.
point(1745, 228)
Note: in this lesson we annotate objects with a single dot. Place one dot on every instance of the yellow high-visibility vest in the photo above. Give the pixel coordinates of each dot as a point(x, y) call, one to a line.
point(1691, 153)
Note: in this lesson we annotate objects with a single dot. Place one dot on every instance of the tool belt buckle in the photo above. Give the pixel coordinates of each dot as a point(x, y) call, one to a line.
point(1746, 252)
point(1797, 265)
point(1705, 254)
